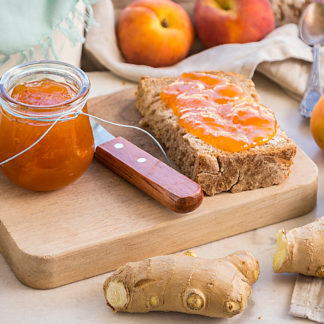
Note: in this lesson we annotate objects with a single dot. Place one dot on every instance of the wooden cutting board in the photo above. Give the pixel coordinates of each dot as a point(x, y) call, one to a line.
point(100, 222)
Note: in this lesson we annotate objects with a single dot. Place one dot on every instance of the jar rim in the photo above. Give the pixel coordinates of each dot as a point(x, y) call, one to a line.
point(83, 90)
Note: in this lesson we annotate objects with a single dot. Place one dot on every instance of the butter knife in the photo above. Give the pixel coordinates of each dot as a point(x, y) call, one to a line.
point(163, 183)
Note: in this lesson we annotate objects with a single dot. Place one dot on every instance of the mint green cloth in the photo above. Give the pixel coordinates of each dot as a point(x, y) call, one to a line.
point(27, 23)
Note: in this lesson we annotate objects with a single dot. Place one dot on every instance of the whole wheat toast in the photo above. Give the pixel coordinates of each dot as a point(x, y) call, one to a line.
point(215, 170)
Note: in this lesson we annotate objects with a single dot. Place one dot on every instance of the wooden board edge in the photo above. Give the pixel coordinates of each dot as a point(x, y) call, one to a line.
point(45, 272)
point(99, 99)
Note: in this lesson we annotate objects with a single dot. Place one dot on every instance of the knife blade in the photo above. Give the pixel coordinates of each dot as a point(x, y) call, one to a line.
point(163, 183)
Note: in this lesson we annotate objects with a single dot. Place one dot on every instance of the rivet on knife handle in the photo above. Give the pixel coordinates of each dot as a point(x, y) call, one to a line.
point(171, 188)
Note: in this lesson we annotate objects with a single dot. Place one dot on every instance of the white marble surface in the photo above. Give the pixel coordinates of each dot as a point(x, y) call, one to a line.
point(83, 302)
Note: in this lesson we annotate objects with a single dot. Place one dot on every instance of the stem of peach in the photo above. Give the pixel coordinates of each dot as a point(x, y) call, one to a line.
point(224, 4)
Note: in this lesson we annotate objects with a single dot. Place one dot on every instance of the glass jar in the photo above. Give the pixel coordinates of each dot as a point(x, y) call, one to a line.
point(65, 153)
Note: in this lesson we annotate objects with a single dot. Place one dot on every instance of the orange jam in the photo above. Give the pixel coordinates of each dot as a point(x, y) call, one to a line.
point(45, 92)
point(62, 155)
point(219, 112)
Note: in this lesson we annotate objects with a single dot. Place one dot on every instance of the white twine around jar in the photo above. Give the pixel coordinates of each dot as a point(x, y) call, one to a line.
point(63, 116)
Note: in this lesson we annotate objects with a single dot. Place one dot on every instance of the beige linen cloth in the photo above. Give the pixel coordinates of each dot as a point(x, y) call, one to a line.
point(308, 298)
point(281, 56)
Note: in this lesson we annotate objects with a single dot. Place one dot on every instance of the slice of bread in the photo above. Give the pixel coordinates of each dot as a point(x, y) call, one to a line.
point(215, 170)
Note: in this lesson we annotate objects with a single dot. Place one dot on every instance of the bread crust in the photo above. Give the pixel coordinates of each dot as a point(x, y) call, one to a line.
point(215, 170)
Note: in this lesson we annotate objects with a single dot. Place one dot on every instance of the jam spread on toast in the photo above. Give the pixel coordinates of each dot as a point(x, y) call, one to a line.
point(219, 112)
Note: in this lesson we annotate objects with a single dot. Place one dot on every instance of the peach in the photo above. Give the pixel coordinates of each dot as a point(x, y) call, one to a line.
point(317, 123)
point(154, 32)
point(233, 21)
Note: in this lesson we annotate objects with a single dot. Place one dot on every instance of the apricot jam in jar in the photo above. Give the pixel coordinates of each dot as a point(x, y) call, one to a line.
point(33, 96)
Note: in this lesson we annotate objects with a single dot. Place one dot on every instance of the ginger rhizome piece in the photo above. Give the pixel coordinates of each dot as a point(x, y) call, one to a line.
point(184, 283)
point(301, 250)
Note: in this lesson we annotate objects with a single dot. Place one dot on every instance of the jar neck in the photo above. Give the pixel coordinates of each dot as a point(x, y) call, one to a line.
point(59, 72)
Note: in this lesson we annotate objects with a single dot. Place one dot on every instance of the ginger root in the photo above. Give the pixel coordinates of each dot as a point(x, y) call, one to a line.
point(301, 250)
point(184, 283)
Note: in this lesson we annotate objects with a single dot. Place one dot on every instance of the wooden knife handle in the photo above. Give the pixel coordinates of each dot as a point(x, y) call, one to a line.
point(161, 182)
